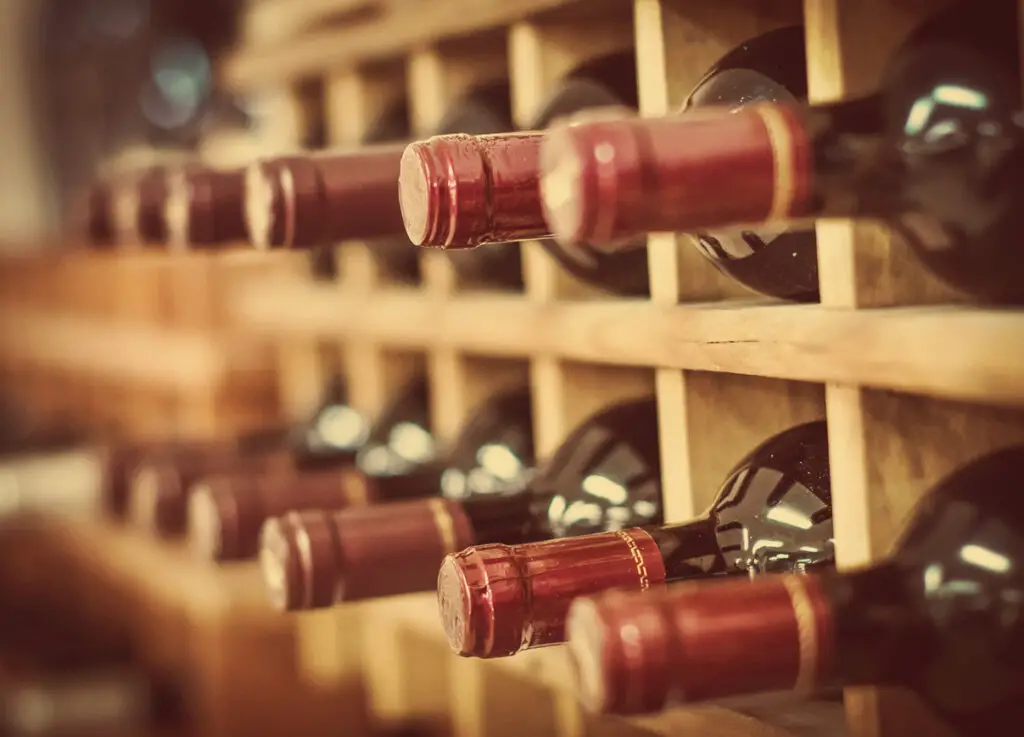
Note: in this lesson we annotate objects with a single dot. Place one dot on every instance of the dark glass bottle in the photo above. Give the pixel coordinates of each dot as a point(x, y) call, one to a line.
point(605, 476)
point(777, 261)
point(460, 192)
point(397, 548)
point(935, 152)
point(331, 470)
point(941, 616)
point(772, 514)
point(161, 477)
point(338, 195)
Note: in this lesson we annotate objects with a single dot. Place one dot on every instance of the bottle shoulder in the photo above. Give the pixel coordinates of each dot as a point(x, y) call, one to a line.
point(773, 513)
point(606, 475)
point(494, 453)
point(960, 564)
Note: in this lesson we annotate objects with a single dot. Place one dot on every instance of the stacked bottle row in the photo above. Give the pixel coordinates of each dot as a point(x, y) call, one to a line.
point(743, 168)
point(524, 553)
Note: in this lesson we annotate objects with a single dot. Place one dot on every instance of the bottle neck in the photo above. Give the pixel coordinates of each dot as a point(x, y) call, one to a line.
point(418, 483)
point(265, 439)
point(512, 519)
point(689, 550)
point(866, 163)
point(856, 167)
point(875, 639)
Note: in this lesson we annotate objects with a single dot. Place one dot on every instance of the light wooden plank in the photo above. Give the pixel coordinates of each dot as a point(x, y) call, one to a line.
point(400, 26)
point(946, 351)
point(136, 354)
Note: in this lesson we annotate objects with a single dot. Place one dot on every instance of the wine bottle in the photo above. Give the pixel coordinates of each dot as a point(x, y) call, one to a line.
point(204, 207)
point(934, 152)
point(483, 110)
point(317, 558)
point(780, 262)
point(606, 475)
point(161, 479)
point(341, 461)
point(460, 191)
point(321, 198)
point(319, 194)
point(93, 215)
point(940, 615)
point(772, 514)
point(139, 203)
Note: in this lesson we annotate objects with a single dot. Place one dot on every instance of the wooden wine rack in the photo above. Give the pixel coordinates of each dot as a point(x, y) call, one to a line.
point(135, 344)
point(913, 380)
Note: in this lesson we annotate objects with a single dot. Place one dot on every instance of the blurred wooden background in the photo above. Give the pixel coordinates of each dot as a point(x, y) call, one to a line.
point(913, 381)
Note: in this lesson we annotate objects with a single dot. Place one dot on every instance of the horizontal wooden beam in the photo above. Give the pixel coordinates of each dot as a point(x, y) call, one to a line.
point(952, 352)
point(400, 25)
point(163, 573)
point(137, 354)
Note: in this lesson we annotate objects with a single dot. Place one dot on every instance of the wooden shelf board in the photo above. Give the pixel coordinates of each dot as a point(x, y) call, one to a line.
point(550, 668)
point(138, 354)
point(399, 26)
point(164, 572)
point(952, 352)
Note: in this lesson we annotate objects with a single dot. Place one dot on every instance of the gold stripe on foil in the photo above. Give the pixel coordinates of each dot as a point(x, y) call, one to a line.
point(445, 524)
point(780, 137)
point(806, 630)
point(638, 560)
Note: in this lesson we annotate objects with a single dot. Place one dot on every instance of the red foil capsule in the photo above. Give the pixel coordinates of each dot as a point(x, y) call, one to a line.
point(161, 484)
point(314, 559)
point(205, 207)
point(227, 512)
point(605, 182)
point(461, 191)
point(496, 600)
point(139, 201)
point(307, 201)
point(699, 642)
point(117, 464)
point(94, 215)
point(152, 193)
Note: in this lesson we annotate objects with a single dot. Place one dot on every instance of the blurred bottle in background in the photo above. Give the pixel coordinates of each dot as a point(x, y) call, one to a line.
point(96, 81)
